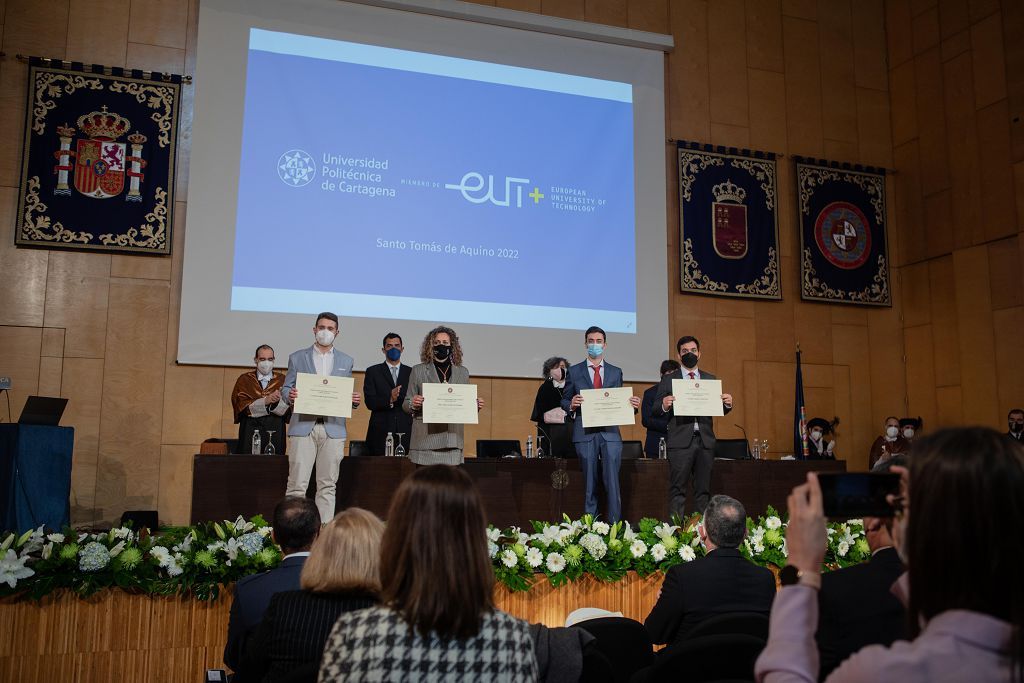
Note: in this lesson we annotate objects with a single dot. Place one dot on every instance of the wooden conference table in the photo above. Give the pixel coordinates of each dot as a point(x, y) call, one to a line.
point(515, 491)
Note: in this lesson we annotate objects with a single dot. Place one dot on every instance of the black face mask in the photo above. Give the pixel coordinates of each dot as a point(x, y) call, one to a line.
point(689, 359)
point(441, 352)
point(1016, 427)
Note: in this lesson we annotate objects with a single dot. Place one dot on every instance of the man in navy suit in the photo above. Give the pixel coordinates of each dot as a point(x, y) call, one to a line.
point(296, 524)
point(317, 440)
point(384, 388)
point(691, 438)
point(595, 444)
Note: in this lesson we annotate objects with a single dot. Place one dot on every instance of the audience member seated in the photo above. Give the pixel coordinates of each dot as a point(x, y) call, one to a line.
point(856, 604)
point(437, 621)
point(342, 574)
point(296, 523)
point(890, 443)
point(957, 528)
point(721, 582)
point(1015, 418)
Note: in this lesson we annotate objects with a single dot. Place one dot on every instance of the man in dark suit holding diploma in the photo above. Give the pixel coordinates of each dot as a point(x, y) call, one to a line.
point(691, 438)
point(596, 443)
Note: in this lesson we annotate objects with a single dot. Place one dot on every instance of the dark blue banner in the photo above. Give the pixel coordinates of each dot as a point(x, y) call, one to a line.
point(844, 257)
point(728, 222)
point(98, 160)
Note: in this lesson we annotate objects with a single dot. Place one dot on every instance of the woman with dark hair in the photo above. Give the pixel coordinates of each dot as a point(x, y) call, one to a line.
point(440, 361)
point(342, 574)
point(437, 621)
point(958, 530)
point(552, 421)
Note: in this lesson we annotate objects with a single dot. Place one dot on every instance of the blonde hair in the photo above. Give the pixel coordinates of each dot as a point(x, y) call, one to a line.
point(346, 554)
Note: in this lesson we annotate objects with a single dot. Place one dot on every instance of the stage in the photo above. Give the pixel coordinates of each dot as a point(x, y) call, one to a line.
point(515, 491)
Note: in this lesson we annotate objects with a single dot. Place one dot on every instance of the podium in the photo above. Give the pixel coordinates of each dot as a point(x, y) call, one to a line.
point(35, 476)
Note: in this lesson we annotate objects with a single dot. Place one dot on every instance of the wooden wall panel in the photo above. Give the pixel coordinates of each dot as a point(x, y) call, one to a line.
point(764, 36)
point(989, 64)
point(82, 385)
point(77, 286)
point(803, 86)
point(836, 41)
point(22, 272)
point(97, 31)
point(977, 336)
point(944, 297)
point(21, 363)
point(727, 63)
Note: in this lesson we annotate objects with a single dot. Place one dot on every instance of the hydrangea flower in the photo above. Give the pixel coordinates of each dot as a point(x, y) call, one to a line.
point(534, 557)
point(594, 545)
point(638, 548)
point(509, 559)
point(658, 552)
point(687, 554)
point(251, 543)
point(13, 569)
point(601, 528)
point(555, 563)
point(492, 549)
point(94, 557)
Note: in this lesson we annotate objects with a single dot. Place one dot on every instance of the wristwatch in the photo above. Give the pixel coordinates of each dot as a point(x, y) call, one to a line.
point(791, 576)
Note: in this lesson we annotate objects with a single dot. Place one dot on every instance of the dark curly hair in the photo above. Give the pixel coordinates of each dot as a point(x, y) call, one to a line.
point(426, 351)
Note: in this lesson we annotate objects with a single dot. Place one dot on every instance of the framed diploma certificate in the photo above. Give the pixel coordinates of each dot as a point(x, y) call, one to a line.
point(325, 396)
point(449, 403)
point(698, 397)
point(607, 407)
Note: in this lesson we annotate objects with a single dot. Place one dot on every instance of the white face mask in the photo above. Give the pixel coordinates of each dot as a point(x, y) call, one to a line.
point(816, 435)
point(891, 432)
point(324, 337)
point(908, 432)
point(265, 367)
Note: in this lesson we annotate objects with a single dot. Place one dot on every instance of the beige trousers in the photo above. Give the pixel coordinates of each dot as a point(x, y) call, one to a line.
point(325, 454)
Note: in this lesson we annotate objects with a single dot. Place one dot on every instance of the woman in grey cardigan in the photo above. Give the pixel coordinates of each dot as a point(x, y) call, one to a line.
point(441, 356)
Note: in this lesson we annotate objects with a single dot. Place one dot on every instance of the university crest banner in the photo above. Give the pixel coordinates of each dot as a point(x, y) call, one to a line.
point(843, 252)
point(728, 222)
point(98, 158)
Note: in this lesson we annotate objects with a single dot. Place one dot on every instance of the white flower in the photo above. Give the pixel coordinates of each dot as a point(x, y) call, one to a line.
point(686, 552)
point(120, 532)
point(664, 530)
point(13, 569)
point(555, 562)
point(161, 555)
point(773, 522)
point(174, 569)
point(215, 546)
point(695, 541)
point(55, 538)
point(565, 536)
point(47, 551)
point(638, 548)
point(116, 550)
point(658, 552)
point(34, 541)
point(601, 528)
point(241, 526)
point(231, 548)
point(492, 549)
point(509, 559)
point(534, 557)
point(785, 550)
point(82, 537)
point(493, 534)
point(844, 548)
point(627, 533)
point(757, 534)
point(594, 545)
point(758, 548)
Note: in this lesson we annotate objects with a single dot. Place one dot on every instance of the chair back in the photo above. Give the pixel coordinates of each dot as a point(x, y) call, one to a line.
point(631, 450)
point(358, 448)
point(733, 623)
point(498, 448)
point(625, 643)
point(707, 659)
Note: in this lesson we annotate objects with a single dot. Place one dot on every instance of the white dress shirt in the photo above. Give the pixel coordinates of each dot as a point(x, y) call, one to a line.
point(324, 362)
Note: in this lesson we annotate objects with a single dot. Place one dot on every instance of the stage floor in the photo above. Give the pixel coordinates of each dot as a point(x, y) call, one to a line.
point(515, 491)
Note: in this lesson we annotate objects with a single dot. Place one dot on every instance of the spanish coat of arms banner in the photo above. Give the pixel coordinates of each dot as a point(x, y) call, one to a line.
point(728, 222)
point(98, 159)
point(843, 252)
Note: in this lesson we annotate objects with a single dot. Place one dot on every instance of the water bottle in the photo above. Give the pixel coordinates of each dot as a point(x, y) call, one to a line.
point(389, 446)
point(756, 452)
point(529, 447)
point(257, 442)
point(662, 449)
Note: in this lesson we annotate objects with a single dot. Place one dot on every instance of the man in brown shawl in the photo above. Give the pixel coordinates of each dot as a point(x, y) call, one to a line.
point(257, 405)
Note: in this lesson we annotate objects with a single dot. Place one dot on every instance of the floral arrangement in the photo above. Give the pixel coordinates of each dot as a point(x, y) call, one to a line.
point(201, 559)
point(195, 560)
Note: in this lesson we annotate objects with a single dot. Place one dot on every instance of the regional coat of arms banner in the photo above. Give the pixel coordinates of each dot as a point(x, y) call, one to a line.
point(843, 252)
point(98, 160)
point(728, 222)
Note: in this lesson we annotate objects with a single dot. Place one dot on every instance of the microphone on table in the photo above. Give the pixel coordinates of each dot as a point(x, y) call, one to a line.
point(745, 439)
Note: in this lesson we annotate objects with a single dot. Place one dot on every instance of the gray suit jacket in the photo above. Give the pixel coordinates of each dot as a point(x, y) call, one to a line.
point(427, 438)
point(302, 361)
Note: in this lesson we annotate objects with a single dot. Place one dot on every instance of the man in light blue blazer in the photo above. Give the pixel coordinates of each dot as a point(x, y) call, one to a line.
point(602, 444)
point(317, 441)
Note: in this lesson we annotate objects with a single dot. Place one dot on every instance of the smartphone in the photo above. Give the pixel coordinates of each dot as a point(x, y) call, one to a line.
point(858, 494)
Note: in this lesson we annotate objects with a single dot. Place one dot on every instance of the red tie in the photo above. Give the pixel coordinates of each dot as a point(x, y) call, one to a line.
point(597, 376)
point(692, 376)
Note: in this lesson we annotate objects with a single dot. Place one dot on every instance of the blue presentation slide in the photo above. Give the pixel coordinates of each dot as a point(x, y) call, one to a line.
point(392, 184)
